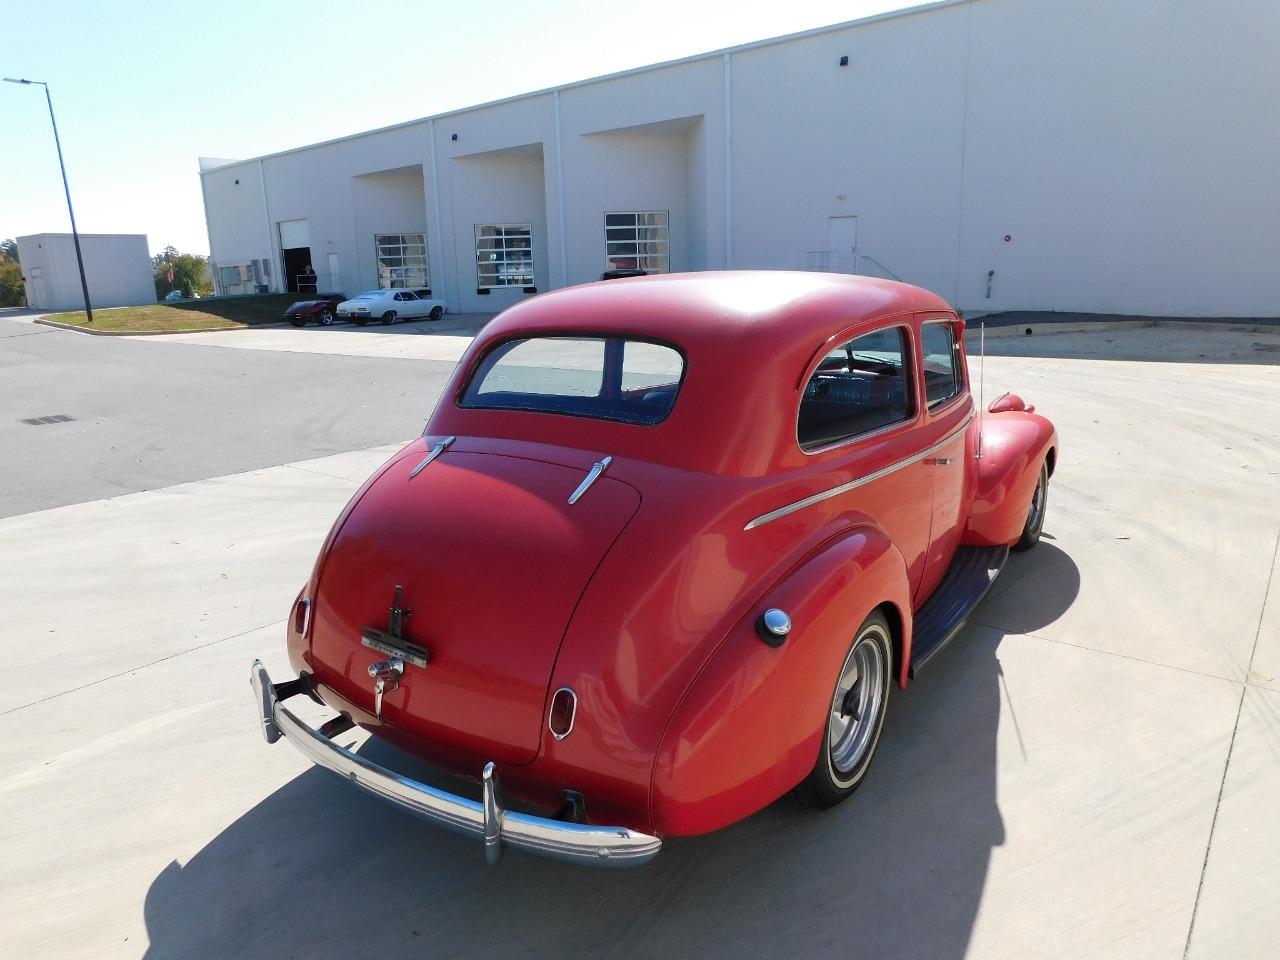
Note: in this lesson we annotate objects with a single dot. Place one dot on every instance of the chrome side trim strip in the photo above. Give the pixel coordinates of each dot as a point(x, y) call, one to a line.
point(597, 468)
point(438, 449)
point(484, 820)
point(860, 481)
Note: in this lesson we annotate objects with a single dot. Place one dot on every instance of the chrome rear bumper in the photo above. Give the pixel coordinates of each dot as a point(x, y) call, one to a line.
point(484, 819)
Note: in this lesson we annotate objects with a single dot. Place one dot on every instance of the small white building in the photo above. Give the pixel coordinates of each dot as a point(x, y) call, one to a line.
point(1073, 155)
point(117, 267)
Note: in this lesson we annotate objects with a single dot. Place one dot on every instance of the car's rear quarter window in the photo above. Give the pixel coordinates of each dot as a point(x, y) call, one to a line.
point(607, 378)
point(861, 386)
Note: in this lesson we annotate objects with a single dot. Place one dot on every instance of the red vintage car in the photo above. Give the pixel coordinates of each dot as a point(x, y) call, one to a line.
point(320, 309)
point(660, 553)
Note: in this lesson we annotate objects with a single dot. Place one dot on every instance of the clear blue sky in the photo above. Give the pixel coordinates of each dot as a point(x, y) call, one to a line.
point(143, 89)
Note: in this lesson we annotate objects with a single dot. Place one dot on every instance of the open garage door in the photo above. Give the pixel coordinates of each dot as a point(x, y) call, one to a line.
point(295, 248)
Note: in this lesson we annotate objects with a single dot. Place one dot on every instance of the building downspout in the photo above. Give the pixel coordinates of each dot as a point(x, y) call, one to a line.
point(564, 244)
point(208, 232)
point(276, 269)
point(728, 162)
point(435, 216)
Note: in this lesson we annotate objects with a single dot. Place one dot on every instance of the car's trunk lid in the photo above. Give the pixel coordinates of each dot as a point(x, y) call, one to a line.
point(491, 559)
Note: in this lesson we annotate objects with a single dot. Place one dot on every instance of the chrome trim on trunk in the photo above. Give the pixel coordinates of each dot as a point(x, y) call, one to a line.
point(860, 481)
point(438, 449)
point(483, 820)
point(597, 468)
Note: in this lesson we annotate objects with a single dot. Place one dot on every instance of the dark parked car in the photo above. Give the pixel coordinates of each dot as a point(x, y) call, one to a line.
point(322, 309)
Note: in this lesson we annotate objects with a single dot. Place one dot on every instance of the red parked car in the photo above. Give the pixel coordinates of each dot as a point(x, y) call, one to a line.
point(320, 309)
point(664, 547)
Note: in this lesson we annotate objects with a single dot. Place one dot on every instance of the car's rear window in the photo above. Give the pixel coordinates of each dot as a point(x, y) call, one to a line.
point(608, 378)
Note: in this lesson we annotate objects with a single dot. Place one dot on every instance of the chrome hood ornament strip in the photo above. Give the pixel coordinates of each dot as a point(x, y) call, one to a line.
point(598, 468)
point(438, 449)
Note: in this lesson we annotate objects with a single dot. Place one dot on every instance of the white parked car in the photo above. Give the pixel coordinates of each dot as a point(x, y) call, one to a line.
point(390, 306)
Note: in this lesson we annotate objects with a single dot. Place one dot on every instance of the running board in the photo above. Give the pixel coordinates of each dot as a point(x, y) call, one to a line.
point(972, 571)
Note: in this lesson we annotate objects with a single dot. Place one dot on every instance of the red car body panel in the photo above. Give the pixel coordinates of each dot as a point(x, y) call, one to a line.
point(643, 596)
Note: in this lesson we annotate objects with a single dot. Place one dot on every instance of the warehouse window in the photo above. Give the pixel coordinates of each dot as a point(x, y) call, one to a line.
point(504, 255)
point(402, 260)
point(638, 240)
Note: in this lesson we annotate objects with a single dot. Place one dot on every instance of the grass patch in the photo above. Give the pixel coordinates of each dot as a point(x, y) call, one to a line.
point(226, 313)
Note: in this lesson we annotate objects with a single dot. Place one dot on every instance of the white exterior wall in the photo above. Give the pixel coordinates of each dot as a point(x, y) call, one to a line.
point(1125, 149)
point(117, 268)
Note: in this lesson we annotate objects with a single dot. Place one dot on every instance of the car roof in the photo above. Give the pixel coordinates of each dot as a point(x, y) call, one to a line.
point(768, 306)
point(748, 338)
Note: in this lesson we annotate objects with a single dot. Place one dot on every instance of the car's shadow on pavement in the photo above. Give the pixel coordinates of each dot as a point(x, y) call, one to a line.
point(319, 869)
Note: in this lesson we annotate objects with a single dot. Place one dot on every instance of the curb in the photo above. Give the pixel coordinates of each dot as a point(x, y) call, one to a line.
point(1030, 328)
point(155, 333)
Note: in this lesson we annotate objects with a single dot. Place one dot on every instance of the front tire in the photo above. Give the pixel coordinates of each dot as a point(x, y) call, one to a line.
point(388, 318)
point(1035, 512)
point(326, 318)
point(855, 717)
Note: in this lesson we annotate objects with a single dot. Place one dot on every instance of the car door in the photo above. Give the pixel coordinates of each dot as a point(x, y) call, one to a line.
point(948, 410)
point(860, 414)
point(410, 306)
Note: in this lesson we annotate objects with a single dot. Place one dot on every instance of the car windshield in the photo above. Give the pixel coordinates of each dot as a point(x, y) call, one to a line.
point(606, 378)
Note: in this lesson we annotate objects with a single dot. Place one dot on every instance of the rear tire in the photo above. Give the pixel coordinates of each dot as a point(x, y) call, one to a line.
point(326, 318)
point(1035, 512)
point(388, 318)
point(855, 717)
point(436, 313)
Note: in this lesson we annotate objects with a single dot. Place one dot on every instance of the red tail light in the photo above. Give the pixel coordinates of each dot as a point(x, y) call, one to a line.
point(302, 616)
point(564, 708)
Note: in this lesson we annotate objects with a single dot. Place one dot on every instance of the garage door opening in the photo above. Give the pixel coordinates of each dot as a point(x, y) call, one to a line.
point(295, 248)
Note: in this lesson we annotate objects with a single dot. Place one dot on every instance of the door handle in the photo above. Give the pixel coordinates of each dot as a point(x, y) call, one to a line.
point(941, 461)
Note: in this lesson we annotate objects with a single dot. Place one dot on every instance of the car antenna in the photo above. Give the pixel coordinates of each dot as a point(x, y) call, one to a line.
point(982, 380)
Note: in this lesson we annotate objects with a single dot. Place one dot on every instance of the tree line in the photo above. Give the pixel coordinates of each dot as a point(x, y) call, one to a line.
point(12, 291)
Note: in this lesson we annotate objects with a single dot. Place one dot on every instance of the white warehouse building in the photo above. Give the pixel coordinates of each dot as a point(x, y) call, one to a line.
point(1070, 155)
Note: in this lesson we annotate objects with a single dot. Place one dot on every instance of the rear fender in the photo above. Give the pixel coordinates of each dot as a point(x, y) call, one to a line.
point(749, 727)
point(1014, 444)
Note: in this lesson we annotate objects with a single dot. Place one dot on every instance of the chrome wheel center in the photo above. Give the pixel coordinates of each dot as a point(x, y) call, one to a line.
point(855, 709)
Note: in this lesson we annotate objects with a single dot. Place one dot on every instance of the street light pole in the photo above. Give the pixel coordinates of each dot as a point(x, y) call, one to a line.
point(75, 234)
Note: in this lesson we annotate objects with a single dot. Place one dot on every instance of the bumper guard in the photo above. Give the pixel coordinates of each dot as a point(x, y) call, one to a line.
point(484, 820)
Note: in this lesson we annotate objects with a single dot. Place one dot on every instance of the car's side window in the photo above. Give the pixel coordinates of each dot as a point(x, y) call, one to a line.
point(943, 377)
point(860, 386)
point(408, 295)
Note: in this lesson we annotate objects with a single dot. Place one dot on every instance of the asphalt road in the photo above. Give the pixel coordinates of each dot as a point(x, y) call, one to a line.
point(150, 413)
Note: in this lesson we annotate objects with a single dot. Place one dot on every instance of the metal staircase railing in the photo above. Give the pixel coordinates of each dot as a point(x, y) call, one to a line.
point(839, 261)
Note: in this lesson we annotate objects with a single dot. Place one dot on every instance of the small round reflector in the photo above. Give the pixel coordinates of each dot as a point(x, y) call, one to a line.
point(564, 708)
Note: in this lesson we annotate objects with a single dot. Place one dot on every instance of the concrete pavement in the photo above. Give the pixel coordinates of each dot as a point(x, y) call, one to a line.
point(1089, 770)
